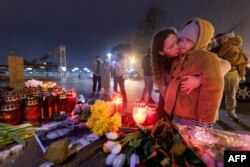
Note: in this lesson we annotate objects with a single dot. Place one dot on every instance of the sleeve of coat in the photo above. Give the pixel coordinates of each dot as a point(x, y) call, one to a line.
point(212, 88)
point(225, 66)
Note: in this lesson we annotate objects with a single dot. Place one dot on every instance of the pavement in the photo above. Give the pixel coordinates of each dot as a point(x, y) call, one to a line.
point(134, 90)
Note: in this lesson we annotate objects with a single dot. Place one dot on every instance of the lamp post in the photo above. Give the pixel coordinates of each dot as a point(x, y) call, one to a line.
point(109, 55)
point(132, 61)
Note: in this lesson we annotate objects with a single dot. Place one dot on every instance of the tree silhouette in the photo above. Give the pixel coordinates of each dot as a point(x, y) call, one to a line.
point(121, 48)
point(146, 29)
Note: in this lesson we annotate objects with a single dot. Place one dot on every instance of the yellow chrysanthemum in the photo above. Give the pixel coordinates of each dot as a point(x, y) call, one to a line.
point(102, 119)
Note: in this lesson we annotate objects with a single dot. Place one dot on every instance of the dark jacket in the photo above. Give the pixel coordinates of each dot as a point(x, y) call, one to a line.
point(146, 66)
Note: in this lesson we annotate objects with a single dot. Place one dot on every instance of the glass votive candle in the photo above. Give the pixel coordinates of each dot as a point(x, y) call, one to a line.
point(139, 112)
point(151, 114)
point(117, 102)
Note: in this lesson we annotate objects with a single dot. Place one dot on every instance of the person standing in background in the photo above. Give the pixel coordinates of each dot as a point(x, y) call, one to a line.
point(96, 75)
point(148, 79)
point(230, 51)
point(120, 74)
point(106, 77)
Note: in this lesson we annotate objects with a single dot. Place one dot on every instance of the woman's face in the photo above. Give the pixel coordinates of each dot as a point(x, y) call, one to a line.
point(170, 48)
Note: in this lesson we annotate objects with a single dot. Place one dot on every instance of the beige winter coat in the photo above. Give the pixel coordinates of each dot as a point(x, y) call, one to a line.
point(231, 52)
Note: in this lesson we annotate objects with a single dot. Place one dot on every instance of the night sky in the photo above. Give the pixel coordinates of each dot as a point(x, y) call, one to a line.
point(89, 28)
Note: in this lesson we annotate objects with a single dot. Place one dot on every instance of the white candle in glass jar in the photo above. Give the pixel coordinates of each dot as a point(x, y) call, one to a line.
point(139, 114)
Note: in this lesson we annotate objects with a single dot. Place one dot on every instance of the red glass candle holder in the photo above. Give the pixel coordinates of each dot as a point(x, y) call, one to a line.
point(10, 114)
point(117, 102)
point(32, 110)
point(61, 103)
point(151, 114)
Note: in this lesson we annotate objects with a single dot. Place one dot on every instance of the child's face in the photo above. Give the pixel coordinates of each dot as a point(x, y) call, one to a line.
point(224, 39)
point(170, 48)
point(185, 45)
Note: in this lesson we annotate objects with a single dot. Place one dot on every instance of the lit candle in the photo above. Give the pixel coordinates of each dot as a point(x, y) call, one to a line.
point(71, 99)
point(151, 114)
point(117, 102)
point(139, 112)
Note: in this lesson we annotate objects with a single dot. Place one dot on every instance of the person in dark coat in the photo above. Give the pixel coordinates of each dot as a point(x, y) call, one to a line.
point(148, 79)
point(96, 75)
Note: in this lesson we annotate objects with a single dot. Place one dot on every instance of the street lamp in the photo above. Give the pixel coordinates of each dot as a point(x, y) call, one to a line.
point(132, 60)
point(109, 55)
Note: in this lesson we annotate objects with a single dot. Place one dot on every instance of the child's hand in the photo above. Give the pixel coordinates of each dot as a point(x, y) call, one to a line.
point(189, 83)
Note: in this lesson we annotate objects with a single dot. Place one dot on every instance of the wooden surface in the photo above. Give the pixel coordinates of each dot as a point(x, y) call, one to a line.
point(32, 156)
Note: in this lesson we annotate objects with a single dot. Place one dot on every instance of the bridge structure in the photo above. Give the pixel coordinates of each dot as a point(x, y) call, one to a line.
point(59, 52)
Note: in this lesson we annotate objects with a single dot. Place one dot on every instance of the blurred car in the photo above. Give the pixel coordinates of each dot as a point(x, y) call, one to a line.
point(134, 75)
point(243, 92)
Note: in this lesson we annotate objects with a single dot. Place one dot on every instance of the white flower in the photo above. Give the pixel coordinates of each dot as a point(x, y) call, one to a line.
point(32, 83)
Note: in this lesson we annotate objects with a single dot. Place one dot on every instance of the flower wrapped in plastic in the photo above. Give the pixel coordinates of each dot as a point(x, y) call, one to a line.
point(103, 119)
point(32, 83)
point(47, 85)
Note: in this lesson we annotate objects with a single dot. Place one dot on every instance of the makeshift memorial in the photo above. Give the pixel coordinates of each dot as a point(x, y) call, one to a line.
point(103, 119)
point(73, 128)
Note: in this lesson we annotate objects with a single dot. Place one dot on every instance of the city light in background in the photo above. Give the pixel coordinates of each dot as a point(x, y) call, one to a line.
point(109, 55)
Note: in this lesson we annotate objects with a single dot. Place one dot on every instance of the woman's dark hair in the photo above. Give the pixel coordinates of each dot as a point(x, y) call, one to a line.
point(160, 64)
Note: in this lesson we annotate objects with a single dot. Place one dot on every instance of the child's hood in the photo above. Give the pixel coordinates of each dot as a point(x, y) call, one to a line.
point(206, 32)
point(236, 41)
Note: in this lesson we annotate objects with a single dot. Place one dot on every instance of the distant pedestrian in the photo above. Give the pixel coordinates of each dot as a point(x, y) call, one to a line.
point(148, 79)
point(120, 74)
point(96, 75)
point(230, 51)
point(217, 43)
point(106, 77)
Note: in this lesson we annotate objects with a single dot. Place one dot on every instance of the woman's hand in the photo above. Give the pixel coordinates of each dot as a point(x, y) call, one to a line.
point(189, 83)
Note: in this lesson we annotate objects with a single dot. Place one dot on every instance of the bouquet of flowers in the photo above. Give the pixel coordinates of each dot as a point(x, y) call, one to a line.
point(47, 85)
point(160, 146)
point(32, 83)
point(102, 118)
